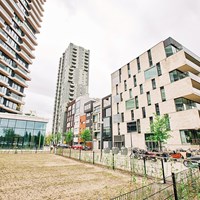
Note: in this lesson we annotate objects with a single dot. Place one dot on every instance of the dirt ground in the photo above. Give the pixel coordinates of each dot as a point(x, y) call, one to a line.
point(47, 176)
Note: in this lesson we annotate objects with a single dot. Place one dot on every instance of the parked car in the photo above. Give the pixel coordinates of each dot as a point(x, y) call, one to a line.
point(192, 162)
point(63, 146)
point(77, 146)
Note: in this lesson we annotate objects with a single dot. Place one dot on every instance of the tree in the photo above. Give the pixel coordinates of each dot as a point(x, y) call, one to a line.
point(68, 137)
point(57, 137)
point(160, 129)
point(48, 139)
point(85, 136)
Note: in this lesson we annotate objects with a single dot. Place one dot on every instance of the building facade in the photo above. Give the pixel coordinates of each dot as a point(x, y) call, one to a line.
point(72, 82)
point(21, 131)
point(165, 80)
point(19, 23)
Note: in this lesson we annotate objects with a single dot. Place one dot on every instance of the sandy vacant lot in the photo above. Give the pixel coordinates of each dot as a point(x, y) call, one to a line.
point(47, 176)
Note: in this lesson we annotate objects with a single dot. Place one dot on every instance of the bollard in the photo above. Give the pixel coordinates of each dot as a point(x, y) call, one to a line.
point(93, 157)
point(163, 171)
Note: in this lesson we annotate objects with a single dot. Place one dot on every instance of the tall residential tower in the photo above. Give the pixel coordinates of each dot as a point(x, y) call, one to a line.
point(72, 82)
point(19, 23)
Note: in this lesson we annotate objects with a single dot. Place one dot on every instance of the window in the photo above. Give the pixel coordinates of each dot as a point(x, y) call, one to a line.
point(159, 69)
point(121, 97)
point(136, 102)
point(20, 124)
point(153, 82)
point(138, 64)
point(157, 109)
point(143, 112)
point(132, 115)
point(128, 69)
point(176, 75)
point(138, 126)
point(150, 120)
point(151, 73)
point(131, 127)
point(130, 104)
point(122, 117)
point(148, 99)
point(117, 108)
point(170, 50)
point(141, 89)
point(117, 89)
point(118, 128)
point(150, 58)
point(184, 104)
point(134, 81)
point(108, 112)
point(120, 73)
point(190, 136)
point(162, 92)
point(125, 86)
point(130, 93)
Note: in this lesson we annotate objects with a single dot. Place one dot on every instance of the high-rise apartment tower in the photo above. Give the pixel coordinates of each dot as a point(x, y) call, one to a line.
point(19, 23)
point(72, 82)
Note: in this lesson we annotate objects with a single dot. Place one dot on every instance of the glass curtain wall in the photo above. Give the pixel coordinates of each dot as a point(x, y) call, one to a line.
point(21, 134)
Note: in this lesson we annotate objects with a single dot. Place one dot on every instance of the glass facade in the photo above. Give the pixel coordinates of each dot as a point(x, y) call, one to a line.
point(130, 104)
point(190, 136)
point(184, 104)
point(176, 75)
point(15, 133)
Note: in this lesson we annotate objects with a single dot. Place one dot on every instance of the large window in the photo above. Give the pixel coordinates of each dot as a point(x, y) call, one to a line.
point(157, 109)
point(184, 104)
point(130, 104)
point(176, 75)
point(190, 136)
point(131, 127)
point(170, 50)
point(162, 92)
point(151, 73)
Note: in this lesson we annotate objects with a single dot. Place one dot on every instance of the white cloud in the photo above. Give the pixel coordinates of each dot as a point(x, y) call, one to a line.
point(115, 31)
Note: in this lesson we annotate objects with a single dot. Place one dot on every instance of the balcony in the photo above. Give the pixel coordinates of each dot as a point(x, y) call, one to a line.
point(5, 70)
point(3, 35)
point(20, 80)
point(189, 66)
point(7, 50)
point(32, 22)
point(16, 91)
point(5, 16)
point(25, 56)
point(22, 73)
point(15, 98)
point(27, 49)
point(35, 11)
point(28, 42)
point(11, 110)
point(7, 7)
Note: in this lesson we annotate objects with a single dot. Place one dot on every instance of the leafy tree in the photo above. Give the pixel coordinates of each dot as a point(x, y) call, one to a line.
point(48, 139)
point(68, 137)
point(85, 136)
point(160, 129)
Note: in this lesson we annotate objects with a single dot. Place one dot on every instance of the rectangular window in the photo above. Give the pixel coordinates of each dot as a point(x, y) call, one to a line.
point(130, 104)
point(162, 92)
point(128, 69)
point(134, 81)
point(138, 64)
point(132, 115)
point(170, 50)
point(176, 75)
point(130, 93)
point(118, 128)
point(157, 109)
point(122, 117)
point(125, 86)
point(151, 73)
point(120, 78)
point(117, 108)
point(143, 112)
point(138, 126)
point(141, 89)
point(150, 58)
point(121, 97)
point(153, 82)
point(117, 89)
point(131, 127)
point(159, 69)
point(184, 104)
point(136, 102)
point(150, 120)
point(148, 99)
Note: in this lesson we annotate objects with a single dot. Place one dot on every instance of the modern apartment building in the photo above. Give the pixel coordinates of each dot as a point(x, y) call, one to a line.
point(19, 23)
point(72, 82)
point(163, 80)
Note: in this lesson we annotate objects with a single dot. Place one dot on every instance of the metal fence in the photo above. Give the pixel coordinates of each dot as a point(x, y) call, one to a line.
point(179, 186)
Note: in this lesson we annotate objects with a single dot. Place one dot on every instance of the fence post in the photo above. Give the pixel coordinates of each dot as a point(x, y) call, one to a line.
point(79, 154)
point(93, 157)
point(174, 186)
point(113, 161)
point(163, 171)
point(145, 169)
point(70, 152)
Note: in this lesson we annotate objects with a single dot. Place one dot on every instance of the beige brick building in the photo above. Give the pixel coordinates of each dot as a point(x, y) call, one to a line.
point(163, 80)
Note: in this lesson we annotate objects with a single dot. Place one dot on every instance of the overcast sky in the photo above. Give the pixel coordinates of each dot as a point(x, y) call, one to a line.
point(115, 32)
